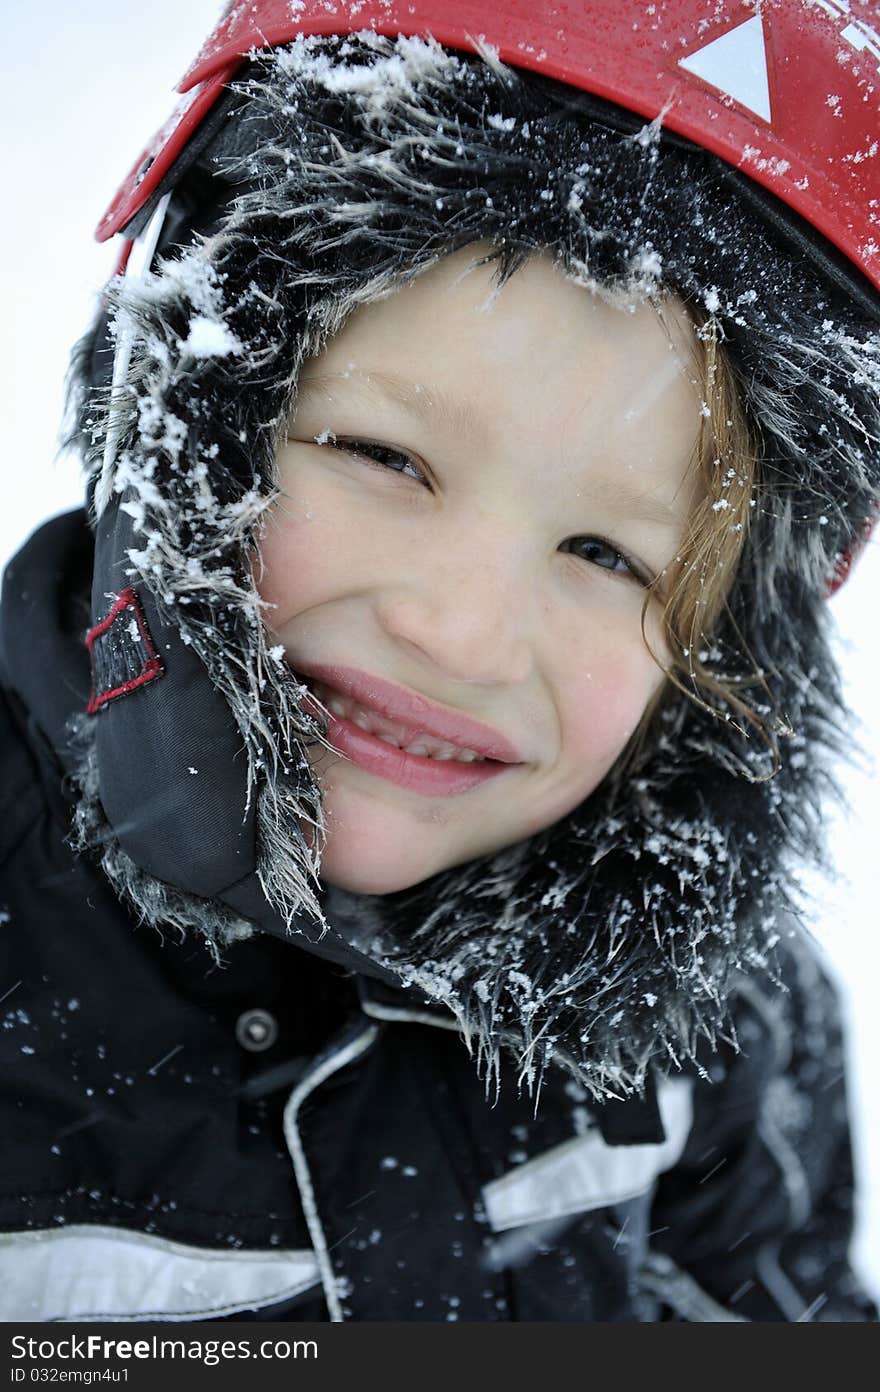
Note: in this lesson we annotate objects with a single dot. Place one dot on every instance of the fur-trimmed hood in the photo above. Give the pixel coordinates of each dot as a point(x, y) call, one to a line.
point(609, 941)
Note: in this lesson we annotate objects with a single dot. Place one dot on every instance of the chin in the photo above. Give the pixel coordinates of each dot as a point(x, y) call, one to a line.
point(363, 870)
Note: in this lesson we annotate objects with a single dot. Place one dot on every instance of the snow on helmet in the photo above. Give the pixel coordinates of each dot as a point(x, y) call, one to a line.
point(789, 93)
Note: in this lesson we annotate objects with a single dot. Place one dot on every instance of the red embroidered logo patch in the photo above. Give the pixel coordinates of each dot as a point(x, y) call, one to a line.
point(122, 650)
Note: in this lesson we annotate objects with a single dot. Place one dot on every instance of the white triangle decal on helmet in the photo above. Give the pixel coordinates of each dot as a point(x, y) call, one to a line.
point(736, 64)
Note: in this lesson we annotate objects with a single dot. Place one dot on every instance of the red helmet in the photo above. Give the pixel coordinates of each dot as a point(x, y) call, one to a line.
point(788, 91)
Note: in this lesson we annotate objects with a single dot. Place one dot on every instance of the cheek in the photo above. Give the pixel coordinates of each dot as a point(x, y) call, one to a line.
point(606, 704)
point(299, 557)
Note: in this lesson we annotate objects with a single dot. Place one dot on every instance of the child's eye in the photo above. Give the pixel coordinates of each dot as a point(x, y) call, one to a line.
point(602, 553)
point(382, 457)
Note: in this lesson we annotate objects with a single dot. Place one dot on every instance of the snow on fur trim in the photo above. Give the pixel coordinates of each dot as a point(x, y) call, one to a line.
point(610, 939)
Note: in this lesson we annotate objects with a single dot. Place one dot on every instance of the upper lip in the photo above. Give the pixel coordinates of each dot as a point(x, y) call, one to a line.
point(415, 711)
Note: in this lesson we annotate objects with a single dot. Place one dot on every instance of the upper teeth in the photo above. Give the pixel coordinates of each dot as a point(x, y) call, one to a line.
point(390, 731)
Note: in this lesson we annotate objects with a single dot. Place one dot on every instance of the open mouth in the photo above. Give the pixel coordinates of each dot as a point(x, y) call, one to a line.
point(416, 744)
point(399, 752)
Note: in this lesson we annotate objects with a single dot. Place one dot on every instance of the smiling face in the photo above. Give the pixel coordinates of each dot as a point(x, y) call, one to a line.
point(477, 486)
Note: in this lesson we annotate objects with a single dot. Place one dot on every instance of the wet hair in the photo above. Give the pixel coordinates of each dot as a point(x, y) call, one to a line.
point(718, 531)
point(692, 592)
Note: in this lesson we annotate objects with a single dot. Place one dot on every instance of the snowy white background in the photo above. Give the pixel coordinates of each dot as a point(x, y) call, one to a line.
point(83, 87)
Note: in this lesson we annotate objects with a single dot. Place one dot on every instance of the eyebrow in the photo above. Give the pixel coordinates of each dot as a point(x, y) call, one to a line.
point(436, 409)
point(430, 406)
point(618, 495)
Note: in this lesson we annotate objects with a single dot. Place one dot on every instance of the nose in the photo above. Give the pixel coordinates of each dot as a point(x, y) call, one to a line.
point(466, 620)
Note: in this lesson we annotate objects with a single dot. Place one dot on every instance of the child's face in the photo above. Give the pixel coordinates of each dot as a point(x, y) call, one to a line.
point(473, 493)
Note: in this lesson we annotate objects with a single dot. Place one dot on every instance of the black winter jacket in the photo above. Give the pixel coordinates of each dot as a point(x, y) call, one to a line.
point(290, 1135)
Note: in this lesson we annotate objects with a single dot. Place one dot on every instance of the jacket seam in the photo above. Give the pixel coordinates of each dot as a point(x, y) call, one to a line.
point(794, 1179)
point(775, 1281)
point(769, 1017)
point(323, 1069)
point(187, 1316)
point(399, 1014)
point(227, 1256)
point(778, 1285)
point(681, 1292)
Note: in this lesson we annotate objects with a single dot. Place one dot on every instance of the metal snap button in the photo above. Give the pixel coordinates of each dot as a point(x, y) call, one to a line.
point(256, 1030)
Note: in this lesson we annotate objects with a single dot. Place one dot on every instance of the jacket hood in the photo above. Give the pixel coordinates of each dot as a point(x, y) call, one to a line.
point(45, 616)
point(609, 941)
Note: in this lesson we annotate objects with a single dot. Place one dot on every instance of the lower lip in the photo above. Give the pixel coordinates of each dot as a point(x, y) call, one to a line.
point(429, 777)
